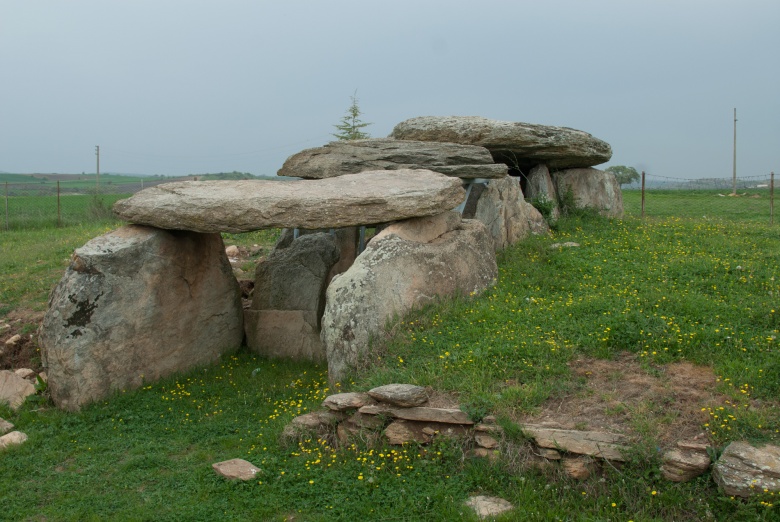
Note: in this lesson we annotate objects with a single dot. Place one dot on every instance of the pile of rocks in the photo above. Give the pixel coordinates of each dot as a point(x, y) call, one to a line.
point(158, 297)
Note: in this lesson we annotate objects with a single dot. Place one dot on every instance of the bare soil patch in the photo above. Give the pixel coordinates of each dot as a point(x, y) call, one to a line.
point(25, 353)
point(624, 396)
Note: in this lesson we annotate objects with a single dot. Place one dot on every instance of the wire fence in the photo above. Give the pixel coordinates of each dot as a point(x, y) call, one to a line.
point(64, 202)
point(740, 199)
point(72, 202)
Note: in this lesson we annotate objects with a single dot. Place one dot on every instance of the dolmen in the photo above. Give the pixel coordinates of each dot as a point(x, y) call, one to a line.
point(371, 229)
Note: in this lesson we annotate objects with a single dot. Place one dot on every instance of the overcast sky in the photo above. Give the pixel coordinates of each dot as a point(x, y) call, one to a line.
point(189, 86)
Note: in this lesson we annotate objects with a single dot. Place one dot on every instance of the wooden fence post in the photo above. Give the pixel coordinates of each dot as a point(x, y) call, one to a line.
point(643, 194)
point(59, 217)
point(7, 226)
point(772, 198)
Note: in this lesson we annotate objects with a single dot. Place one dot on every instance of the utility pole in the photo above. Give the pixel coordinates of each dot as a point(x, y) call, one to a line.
point(734, 173)
point(97, 178)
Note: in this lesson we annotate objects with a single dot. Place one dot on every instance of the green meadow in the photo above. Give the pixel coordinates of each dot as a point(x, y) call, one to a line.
point(697, 287)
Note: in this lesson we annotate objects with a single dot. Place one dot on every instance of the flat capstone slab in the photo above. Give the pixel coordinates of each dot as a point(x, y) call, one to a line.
point(365, 198)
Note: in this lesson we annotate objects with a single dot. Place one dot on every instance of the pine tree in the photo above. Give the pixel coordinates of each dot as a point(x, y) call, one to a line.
point(349, 128)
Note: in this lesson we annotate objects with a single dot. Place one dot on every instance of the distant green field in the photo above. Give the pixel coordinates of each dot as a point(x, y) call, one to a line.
point(748, 205)
point(35, 212)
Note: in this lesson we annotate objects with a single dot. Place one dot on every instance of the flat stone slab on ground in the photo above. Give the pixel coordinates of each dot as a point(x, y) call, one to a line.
point(600, 444)
point(347, 401)
point(485, 506)
point(5, 426)
point(12, 439)
point(14, 389)
point(236, 469)
point(744, 470)
point(242, 206)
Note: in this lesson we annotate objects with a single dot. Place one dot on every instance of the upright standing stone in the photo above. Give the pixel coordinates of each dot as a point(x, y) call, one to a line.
point(505, 213)
point(590, 188)
point(394, 275)
point(539, 186)
point(289, 298)
point(135, 305)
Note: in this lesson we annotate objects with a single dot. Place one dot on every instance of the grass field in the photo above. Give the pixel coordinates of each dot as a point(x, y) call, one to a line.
point(660, 291)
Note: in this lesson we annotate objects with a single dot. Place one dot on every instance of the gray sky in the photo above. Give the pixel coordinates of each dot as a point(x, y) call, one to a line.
point(189, 86)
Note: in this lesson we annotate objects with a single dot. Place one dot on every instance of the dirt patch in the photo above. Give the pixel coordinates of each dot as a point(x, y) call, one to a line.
point(25, 353)
point(623, 396)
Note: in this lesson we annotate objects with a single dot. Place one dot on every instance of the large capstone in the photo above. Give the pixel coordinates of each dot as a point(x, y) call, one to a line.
point(519, 145)
point(394, 275)
point(240, 206)
point(135, 305)
point(348, 157)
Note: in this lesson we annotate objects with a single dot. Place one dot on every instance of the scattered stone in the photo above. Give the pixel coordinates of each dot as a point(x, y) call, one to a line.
point(24, 373)
point(593, 443)
point(232, 251)
point(13, 340)
point(236, 469)
point(485, 441)
point(686, 462)
point(135, 305)
point(43, 377)
point(519, 145)
point(348, 157)
point(347, 431)
point(391, 277)
point(14, 438)
point(242, 206)
point(316, 420)
point(578, 468)
point(14, 389)
point(743, 470)
point(347, 401)
point(567, 244)
point(420, 413)
point(483, 453)
point(486, 507)
point(403, 395)
point(592, 188)
point(5, 426)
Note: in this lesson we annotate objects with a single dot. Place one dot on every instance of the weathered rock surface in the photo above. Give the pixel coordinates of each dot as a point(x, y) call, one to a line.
point(403, 395)
point(505, 213)
point(743, 470)
point(294, 278)
point(284, 334)
point(685, 462)
point(600, 444)
point(289, 298)
point(12, 439)
point(401, 431)
point(422, 230)
point(514, 143)
point(420, 413)
point(578, 468)
point(591, 188)
point(236, 469)
point(346, 240)
point(391, 277)
point(485, 506)
point(539, 185)
point(11, 341)
point(349, 157)
point(14, 389)
point(485, 441)
point(347, 401)
point(135, 305)
point(5, 426)
point(241, 206)
point(25, 373)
